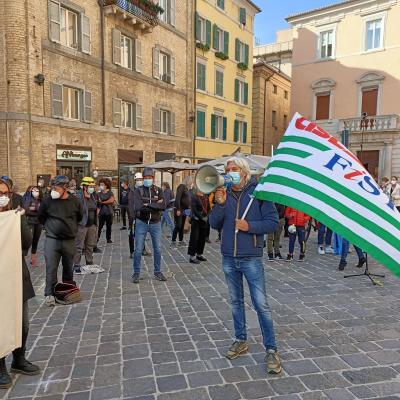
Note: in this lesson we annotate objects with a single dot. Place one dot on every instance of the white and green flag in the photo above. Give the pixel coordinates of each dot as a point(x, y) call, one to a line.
point(313, 172)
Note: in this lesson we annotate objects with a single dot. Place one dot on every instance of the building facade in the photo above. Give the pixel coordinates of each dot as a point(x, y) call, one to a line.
point(271, 108)
point(224, 75)
point(346, 76)
point(94, 85)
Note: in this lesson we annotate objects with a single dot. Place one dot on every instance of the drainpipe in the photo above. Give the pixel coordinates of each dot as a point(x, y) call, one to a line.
point(103, 87)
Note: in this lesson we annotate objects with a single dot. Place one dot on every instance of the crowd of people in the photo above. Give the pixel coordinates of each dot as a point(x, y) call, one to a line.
point(72, 216)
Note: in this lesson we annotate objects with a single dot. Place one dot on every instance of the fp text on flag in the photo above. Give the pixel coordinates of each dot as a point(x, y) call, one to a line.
point(313, 172)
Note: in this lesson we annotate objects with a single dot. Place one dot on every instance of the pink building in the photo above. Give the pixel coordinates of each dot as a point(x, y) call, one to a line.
point(346, 76)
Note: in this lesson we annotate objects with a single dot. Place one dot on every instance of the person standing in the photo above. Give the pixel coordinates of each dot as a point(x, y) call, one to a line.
point(20, 364)
point(105, 201)
point(169, 199)
point(60, 214)
point(393, 191)
point(87, 229)
point(32, 200)
point(242, 251)
point(148, 206)
point(182, 203)
point(124, 203)
point(324, 240)
point(274, 239)
point(297, 221)
point(200, 207)
point(345, 251)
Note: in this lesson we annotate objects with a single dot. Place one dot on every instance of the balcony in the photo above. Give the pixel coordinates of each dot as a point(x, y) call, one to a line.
point(378, 123)
point(142, 14)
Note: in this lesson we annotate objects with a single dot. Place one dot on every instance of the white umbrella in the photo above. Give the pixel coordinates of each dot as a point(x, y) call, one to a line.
point(256, 162)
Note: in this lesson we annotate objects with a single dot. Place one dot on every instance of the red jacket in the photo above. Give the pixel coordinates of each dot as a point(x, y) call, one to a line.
point(296, 217)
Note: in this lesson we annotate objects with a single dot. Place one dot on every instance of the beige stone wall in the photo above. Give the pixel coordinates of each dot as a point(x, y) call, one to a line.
point(34, 134)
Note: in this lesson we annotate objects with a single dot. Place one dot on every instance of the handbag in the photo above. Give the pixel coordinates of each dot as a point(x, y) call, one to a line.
point(67, 293)
point(187, 226)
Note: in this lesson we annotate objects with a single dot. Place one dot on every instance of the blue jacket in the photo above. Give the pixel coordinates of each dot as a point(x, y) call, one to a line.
point(262, 219)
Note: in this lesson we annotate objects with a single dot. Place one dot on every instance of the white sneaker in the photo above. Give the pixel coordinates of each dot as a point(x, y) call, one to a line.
point(329, 250)
point(321, 250)
point(50, 301)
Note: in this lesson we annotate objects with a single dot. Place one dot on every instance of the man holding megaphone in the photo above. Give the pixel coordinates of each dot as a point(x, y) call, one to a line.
point(244, 221)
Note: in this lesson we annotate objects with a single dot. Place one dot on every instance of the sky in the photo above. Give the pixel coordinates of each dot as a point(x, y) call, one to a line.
point(272, 18)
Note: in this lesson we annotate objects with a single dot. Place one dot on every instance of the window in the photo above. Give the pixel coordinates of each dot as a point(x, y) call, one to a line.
point(275, 89)
point(274, 119)
point(168, 16)
point(286, 94)
point(69, 27)
point(71, 106)
point(241, 91)
point(242, 16)
point(326, 44)
point(218, 127)
point(285, 124)
point(126, 52)
point(127, 114)
point(201, 76)
point(369, 102)
point(163, 121)
point(201, 123)
point(221, 4)
point(220, 40)
point(203, 30)
point(219, 82)
point(241, 52)
point(374, 34)
point(163, 66)
point(322, 106)
point(240, 131)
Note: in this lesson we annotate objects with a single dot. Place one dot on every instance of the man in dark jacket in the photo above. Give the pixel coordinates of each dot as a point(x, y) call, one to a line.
point(148, 205)
point(60, 213)
point(182, 203)
point(124, 203)
point(19, 364)
point(242, 250)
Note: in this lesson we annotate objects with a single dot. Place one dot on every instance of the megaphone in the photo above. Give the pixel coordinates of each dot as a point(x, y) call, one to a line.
point(208, 179)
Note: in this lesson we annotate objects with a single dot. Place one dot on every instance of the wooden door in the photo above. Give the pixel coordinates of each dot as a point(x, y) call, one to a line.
point(370, 160)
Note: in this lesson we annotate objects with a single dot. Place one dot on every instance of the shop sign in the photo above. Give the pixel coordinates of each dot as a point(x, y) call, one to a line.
point(74, 155)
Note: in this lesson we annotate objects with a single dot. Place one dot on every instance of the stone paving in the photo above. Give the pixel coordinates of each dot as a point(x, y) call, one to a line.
point(339, 338)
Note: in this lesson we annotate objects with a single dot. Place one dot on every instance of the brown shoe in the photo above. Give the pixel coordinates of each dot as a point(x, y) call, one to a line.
point(238, 347)
point(273, 362)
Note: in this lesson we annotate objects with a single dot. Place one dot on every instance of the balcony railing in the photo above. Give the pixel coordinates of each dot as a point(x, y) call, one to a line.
point(371, 124)
point(273, 48)
point(137, 12)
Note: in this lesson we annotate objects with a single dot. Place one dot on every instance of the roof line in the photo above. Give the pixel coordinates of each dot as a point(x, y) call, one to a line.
point(332, 5)
point(254, 5)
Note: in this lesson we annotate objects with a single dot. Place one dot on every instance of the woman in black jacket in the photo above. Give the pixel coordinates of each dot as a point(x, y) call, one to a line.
point(19, 364)
point(198, 233)
point(182, 203)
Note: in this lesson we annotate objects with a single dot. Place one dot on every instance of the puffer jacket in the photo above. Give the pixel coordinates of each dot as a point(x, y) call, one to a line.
point(296, 217)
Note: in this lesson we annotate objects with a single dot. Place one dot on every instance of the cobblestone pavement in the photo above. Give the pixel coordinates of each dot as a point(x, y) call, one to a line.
point(339, 338)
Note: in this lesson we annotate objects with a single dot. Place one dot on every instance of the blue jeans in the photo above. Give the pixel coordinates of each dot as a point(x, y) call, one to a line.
point(301, 234)
point(345, 250)
point(140, 236)
point(166, 219)
point(253, 270)
point(321, 235)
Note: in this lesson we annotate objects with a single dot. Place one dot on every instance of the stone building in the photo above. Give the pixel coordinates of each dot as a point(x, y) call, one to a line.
point(271, 107)
point(94, 85)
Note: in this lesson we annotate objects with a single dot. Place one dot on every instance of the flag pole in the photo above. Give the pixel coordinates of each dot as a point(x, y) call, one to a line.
point(246, 211)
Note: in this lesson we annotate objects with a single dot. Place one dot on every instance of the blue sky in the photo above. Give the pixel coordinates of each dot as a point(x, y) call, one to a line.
point(272, 18)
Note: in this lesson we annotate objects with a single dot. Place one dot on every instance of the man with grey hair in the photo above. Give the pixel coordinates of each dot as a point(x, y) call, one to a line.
point(242, 251)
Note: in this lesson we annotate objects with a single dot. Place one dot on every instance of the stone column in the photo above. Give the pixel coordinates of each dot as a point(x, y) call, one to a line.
point(387, 161)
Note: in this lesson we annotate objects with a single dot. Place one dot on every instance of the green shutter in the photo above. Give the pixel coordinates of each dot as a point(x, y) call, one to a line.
point(203, 77)
point(198, 27)
point(213, 126)
point(215, 37)
point(244, 132)
point(221, 4)
point(219, 76)
point(226, 43)
point(237, 50)
point(242, 16)
point(225, 123)
point(236, 131)
point(246, 93)
point(208, 32)
point(246, 54)
point(201, 124)
point(236, 90)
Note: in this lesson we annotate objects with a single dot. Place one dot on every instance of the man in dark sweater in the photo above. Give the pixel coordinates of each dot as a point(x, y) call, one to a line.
point(60, 214)
point(124, 203)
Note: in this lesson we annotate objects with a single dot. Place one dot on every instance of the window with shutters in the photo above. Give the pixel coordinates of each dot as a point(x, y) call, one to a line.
point(201, 76)
point(322, 106)
point(165, 117)
point(218, 39)
point(326, 44)
point(273, 119)
point(71, 103)
point(126, 52)
point(242, 52)
point(374, 34)
point(201, 30)
point(219, 82)
point(241, 91)
point(241, 131)
point(68, 26)
point(163, 66)
point(219, 127)
point(200, 123)
point(168, 16)
point(127, 114)
point(242, 15)
point(221, 4)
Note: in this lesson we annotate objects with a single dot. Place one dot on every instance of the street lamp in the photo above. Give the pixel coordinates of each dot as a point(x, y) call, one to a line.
point(364, 116)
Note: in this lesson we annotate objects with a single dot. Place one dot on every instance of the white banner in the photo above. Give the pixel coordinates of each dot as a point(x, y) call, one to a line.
point(10, 282)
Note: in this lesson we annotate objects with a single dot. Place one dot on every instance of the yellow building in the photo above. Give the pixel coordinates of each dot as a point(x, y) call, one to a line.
point(224, 76)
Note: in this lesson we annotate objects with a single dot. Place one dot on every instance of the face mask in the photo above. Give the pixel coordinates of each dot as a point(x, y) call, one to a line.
point(148, 182)
point(91, 190)
point(235, 176)
point(35, 194)
point(55, 195)
point(394, 182)
point(102, 188)
point(139, 184)
point(40, 184)
point(4, 200)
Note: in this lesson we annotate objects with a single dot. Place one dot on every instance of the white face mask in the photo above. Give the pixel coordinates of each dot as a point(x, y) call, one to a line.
point(139, 183)
point(4, 200)
point(55, 195)
point(35, 194)
point(102, 188)
point(394, 182)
